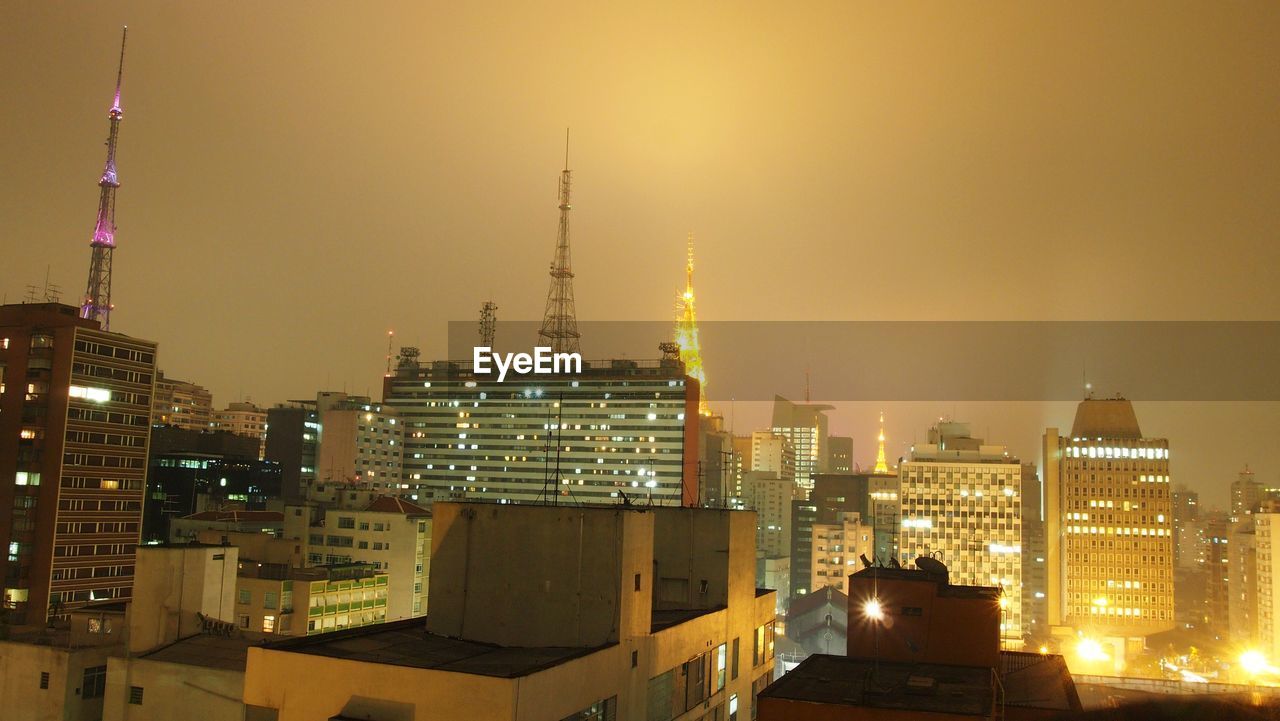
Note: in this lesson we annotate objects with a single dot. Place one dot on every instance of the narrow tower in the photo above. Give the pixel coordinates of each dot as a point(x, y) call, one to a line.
point(881, 465)
point(488, 323)
point(560, 322)
point(687, 334)
point(97, 294)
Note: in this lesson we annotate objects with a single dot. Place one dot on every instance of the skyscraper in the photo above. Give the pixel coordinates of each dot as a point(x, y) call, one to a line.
point(961, 501)
point(1109, 520)
point(805, 425)
point(75, 421)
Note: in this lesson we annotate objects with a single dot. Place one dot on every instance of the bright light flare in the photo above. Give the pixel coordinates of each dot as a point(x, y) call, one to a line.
point(873, 610)
point(1090, 650)
point(1254, 663)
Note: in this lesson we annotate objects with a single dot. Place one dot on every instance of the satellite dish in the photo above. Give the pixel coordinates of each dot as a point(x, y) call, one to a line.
point(932, 565)
point(866, 562)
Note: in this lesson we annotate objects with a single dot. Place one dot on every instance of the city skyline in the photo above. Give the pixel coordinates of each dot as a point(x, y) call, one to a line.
point(260, 162)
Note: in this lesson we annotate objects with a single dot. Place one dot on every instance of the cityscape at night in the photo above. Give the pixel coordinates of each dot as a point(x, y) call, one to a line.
point(640, 362)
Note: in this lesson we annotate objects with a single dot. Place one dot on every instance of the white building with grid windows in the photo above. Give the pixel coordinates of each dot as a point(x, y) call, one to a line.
point(960, 501)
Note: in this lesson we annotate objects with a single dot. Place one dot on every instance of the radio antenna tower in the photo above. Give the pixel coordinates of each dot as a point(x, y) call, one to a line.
point(488, 323)
point(97, 294)
point(687, 334)
point(559, 322)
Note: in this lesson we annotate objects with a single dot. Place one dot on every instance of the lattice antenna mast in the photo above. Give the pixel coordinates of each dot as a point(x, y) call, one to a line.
point(560, 322)
point(687, 334)
point(97, 295)
point(488, 323)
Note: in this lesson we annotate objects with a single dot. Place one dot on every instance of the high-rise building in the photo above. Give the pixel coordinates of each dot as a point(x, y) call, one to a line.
point(1109, 523)
point(839, 454)
point(719, 473)
point(1242, 582)
point(837, 551)
point(1267, 536)
point(359, 441)
point(960, 500)
point(773, 453)
point(804, 514)
point(618, 429)
point(244, 419)
point(75, 421)
point(1246, 494)
point(805, 425)
point(1217, 610)
point(1186, 510)
point(1035, 579)
point(293, 438)
point(181, 404)
point(770, 497)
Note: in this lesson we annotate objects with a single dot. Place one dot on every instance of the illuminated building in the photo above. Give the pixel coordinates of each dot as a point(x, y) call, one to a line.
point(1242, 582)
point(359, 441)
point(805, 425)
point(181, 404)
point(874, 497)
point(773, 453)
point(1267, 538)
point(665, 622)
point(244, 419)
point(619, 428)
point(687, 334)
point(837, 548)
point(960, 499)
point(388, 533)
point(75, 421)
point(1035, 579)
point(283, 600)
point(1109, 525)
point(293, 439)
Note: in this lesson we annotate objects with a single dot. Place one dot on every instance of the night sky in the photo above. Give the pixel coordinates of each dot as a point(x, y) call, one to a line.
point(298, 178)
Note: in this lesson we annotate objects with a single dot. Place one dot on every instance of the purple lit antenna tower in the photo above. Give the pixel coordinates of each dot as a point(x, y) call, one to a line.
point(97, 294)
point(560, 322)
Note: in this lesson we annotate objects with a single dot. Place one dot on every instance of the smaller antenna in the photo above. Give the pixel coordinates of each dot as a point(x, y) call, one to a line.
point(391, 335)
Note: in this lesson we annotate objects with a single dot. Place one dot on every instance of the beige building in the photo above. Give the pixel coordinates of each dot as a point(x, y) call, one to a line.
point(550, 612)
point(181, 404)
point(960, 500)
point(836, 551)
point(60, 674)
point(1267, 538)
point(287, 601)
point(360, 441)
point(244, 419)
point(805, 426)
point(770, 497)
point(772, 453)
point(389, 533)
point(1109, 525)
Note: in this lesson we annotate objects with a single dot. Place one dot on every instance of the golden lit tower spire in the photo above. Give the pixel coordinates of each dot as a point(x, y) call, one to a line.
point(881, 465)
point(687, 334)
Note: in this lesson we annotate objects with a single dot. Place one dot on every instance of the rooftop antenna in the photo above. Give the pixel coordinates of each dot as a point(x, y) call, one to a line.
point(806, 385)
point(97, 296)
point(560, 321)
point(488, 323)
point(391, 335)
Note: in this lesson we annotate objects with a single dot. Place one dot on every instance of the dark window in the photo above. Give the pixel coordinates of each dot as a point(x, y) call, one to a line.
point(635, 659)
point(95, 682)
point(637, 582)
point(733, 664)
point(44, 679)
point(135, 695)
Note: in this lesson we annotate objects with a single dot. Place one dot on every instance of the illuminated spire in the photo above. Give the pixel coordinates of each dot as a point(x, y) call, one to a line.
point(97, 295)
point(881, 465)
point(687, 334)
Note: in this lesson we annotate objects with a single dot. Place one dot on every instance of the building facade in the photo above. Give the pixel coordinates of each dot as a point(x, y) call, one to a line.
point(75, 416)
point(359, 441)
point(960, 501)
point(805, 425)
point(619, 428)
point(181, 404)
point(1109, 522)
point(244, 419)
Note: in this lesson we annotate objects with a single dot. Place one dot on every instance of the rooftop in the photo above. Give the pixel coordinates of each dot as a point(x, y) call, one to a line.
point(1111, 418)
point(916, 574)
point(220, 652)
point(666, 618)
point(395, 504)
point(839, 680)
point(237, 516)
point(1038, 681)
point(407, 643)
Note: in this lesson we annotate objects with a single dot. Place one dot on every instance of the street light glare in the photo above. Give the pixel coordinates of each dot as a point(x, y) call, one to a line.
point(1254, 662)
point(873, 610)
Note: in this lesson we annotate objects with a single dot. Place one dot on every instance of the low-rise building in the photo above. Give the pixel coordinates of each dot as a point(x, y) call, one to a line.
point(187, 528)
point(287, 601)
point(550, 612)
